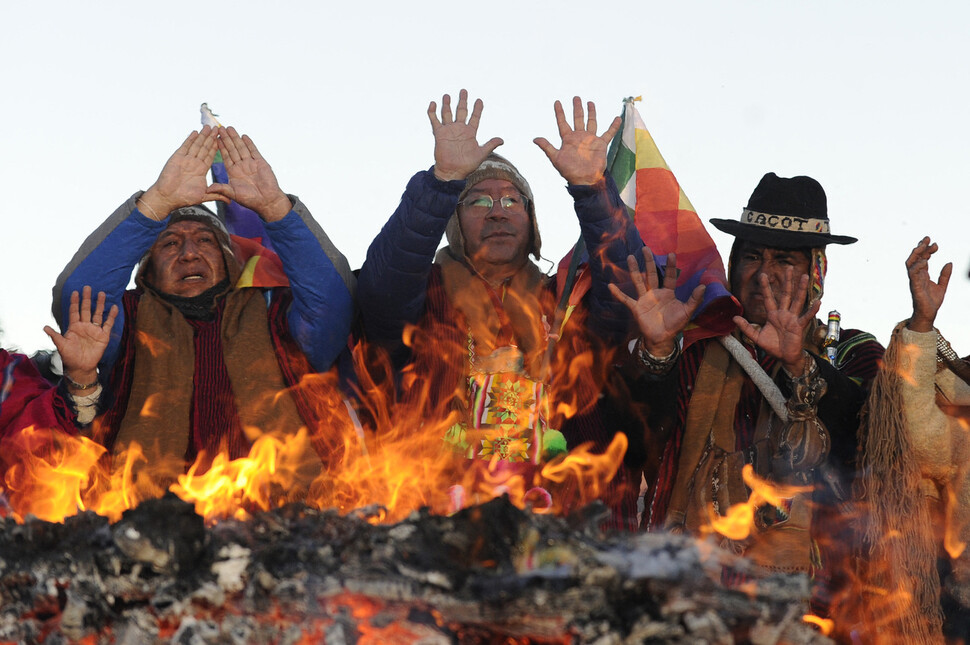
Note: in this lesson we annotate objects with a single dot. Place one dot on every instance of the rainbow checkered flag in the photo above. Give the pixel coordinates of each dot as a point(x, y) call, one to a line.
point(261, 266)
point(667, 223)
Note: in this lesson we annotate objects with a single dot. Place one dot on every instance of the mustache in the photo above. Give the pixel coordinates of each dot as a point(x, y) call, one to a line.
point(488, 230)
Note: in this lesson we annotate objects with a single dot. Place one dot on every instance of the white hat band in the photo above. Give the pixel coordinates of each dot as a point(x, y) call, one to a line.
point(785, 222)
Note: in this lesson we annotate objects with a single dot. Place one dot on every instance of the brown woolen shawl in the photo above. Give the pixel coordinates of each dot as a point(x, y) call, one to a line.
point(901, 549)
point(158, 413)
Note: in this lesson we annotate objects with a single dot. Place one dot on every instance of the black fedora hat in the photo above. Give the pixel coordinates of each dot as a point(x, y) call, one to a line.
point(785, 212)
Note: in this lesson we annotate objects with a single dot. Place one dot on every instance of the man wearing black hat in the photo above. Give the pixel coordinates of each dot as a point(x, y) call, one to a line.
point(776, 395)
point(202, 365)
point(489, 363)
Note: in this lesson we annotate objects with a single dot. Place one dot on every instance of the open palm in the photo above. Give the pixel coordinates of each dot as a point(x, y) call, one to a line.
point(456, 150)
point(83, 344)
point(659, 314)
point(183, 180)
point(786, 319)
point(252, 181)
point(581, 159)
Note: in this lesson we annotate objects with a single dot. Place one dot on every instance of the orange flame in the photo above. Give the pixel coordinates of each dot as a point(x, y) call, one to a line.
point(738, 523)
point(951, 534)
point(390, 453)
point(230, 488)
point(824, 624)
point(50, 471)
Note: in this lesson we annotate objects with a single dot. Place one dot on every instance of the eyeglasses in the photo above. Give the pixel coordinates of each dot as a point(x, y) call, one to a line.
point(482, 204)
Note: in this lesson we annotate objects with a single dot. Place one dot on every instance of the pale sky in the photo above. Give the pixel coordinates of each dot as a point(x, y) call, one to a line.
point(870, 98)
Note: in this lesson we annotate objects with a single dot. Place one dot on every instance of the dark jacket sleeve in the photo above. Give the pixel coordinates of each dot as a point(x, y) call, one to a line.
point(610, 236)
point(393, 280)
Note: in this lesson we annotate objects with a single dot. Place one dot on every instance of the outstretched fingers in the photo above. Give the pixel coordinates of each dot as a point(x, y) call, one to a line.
point(635, 276)
point(612, 130)
point(489, 146)
point(187, 144)
point(920, 255)
point(476, 116)
point(233, 148)
point(112, 316)
point(446, 117)
point(561, 122)
point(433, 116)
point(547, 147)
point(785, 301)
point(578, 116)
point(55, 336)
point(201, 143)
point(74, 311)
point(461, 112)
point(670, 272)
point(695, 300)
point(800, 296)
point(749, 330)
point(84, 315)
point(591, 118)
point(945, 274)
point(80, 310)
point(220, 193)
point(809, 314)
point(771, 304)
point(251, 148)
point(631, 303)
point(98, 316)
point(208, 154)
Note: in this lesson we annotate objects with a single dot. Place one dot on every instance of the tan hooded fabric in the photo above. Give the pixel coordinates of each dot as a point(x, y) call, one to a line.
point(494, 167)
point(467, 292)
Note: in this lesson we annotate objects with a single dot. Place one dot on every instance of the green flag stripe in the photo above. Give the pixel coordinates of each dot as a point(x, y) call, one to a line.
point(624, 165)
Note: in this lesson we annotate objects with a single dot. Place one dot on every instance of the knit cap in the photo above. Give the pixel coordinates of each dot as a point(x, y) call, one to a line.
point(494, 167)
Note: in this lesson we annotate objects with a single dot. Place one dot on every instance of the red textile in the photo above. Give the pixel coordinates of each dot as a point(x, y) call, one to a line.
point(27, 400)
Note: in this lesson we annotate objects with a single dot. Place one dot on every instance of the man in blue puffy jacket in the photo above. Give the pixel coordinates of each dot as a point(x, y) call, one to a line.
point(505, 375)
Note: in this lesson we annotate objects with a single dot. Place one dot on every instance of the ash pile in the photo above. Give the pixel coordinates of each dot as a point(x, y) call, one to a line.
point(488, 574)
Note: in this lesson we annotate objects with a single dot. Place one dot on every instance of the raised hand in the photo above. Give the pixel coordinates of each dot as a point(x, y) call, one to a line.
point(927, 295)
point(581, 159)
point(658, 312)
point(456, 150)
point(182, 181)
point(252, 182)
point(83, 344)
point(786, 321)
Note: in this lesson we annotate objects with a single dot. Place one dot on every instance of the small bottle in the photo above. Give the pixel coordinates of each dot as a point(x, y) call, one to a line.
point(832, 336)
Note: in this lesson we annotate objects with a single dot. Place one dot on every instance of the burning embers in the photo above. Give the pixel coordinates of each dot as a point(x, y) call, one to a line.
point(487, 574)
point(227, 556)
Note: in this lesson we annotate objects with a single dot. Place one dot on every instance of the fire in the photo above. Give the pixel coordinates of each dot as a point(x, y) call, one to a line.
point(824, 624)
point(951, 533)
point(49, 472)
point(590, 471)
point(394, 463)
point(739, 521)
point(229, 488)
